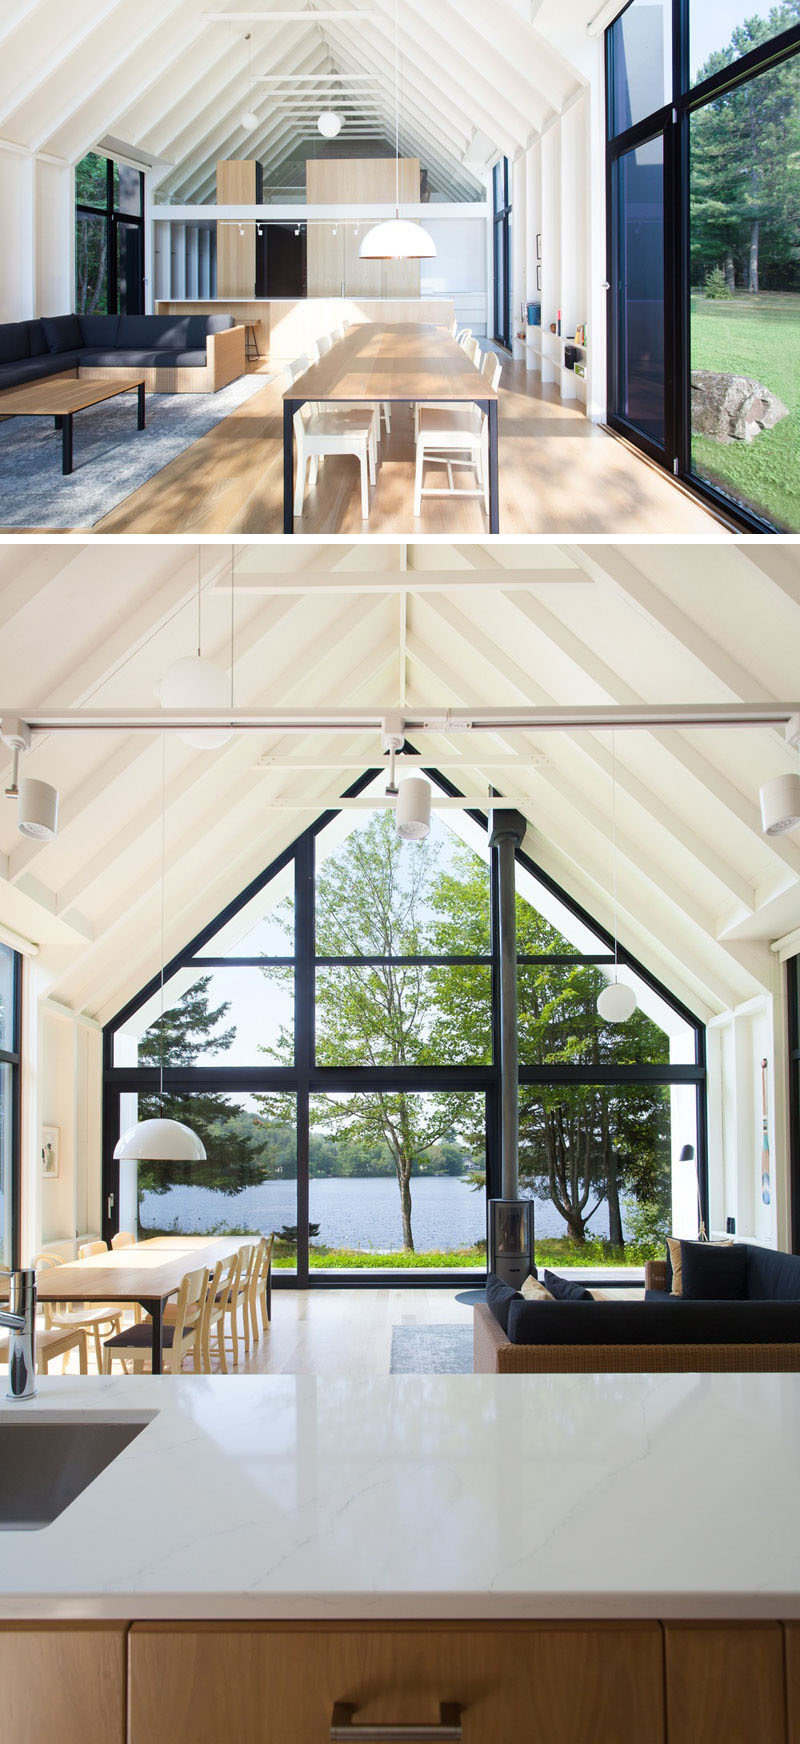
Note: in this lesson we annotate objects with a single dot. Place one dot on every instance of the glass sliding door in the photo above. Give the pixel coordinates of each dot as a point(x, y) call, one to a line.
point(10, 1052)
point(745, 294)
point(109, 237)
point(638, 350)
point(502, 252)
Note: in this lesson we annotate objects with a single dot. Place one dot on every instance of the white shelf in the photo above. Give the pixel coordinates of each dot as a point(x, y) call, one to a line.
point(549, 348)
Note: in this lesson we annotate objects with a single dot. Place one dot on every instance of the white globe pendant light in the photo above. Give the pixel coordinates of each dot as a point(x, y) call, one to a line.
point(616, 1002)
point(413, 815)
point(160, 1140)
point(250, 120)
point(397, 238)
point(329, 124)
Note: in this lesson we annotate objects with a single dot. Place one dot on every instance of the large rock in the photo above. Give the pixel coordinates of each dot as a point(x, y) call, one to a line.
point(732, 408)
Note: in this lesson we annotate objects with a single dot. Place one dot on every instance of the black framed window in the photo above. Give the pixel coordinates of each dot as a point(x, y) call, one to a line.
point(10, 1070)
point(332, 1036)
point(109, 237)
point(703, 264)
point(793, 990)
point(501, 192)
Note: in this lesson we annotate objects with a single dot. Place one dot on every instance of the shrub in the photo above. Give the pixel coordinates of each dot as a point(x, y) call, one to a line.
point(716, 288)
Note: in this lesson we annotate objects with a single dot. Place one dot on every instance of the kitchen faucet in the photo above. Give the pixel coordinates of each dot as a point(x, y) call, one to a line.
point(20, 1320)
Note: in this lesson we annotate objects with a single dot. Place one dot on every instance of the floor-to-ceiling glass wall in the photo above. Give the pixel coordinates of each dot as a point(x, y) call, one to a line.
point(501, 194)
point(704, 264)
point(10, 1045)
point(332, 1038)
point(109, 237)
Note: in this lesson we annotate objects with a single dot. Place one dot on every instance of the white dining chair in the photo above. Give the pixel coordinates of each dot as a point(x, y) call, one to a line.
point(456, 437)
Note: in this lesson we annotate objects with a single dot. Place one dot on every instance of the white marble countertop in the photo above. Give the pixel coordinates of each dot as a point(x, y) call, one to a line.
point(425, 1496)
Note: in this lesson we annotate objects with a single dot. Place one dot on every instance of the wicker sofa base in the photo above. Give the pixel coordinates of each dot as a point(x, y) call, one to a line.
point(495, 1355)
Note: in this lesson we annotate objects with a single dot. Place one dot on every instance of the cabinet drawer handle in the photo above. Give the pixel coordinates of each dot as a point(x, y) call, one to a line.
point(343, 1730)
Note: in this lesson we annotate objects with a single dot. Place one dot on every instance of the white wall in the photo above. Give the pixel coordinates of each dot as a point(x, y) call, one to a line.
point(460, 268)
point(36, 211)
point(737, 1043)
point(62, 1087)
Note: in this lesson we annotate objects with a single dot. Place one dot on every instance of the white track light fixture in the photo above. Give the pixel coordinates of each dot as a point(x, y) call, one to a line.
point(393, 737)
point(159, 1140)
point(414, 808)
point(780, 798)
point(617, 1002)
point(249, 118)
point(397, 238)
point(37, 801)
point(196, 683)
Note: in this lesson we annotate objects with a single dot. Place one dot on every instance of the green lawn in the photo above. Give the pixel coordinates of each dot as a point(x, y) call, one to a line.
point(758, 337)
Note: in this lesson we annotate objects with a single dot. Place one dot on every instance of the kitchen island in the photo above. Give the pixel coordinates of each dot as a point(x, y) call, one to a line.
point(394, 1540)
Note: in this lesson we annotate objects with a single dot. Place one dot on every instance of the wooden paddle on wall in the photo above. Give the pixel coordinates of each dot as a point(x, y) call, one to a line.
point(765, 1186)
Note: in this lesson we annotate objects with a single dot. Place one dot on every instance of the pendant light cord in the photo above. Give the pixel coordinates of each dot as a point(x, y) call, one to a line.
point(397, 107)
point(163, 905)
point(614, 847)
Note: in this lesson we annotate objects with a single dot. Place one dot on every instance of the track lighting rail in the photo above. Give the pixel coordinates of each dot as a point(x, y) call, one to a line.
point(650, 718)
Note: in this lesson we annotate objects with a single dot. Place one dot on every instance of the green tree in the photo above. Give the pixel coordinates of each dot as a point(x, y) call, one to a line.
point(239, 1152)
point(745, 167)
point(580, 1144)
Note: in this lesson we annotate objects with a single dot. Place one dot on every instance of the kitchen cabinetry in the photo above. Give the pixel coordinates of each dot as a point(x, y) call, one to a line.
point(63, 1682)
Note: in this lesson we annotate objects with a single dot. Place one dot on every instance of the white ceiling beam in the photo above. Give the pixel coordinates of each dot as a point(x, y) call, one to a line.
point(779, 564)
point(419, 581)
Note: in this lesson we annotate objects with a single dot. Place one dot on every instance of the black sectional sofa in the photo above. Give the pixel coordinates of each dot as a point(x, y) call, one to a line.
point(175, 354)
point(758, 1331)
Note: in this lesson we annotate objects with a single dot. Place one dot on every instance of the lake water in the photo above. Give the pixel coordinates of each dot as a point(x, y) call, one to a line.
point(360, 1214)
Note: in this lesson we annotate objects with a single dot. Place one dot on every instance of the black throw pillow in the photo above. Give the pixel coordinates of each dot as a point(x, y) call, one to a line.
point(565, 1290)
point(712, 1273)
point(499, 1297)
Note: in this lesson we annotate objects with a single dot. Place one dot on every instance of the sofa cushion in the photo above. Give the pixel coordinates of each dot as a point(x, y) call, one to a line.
point(37, 343)
point(676, 1321)
point(566, 1289)
point(712, 1273)
point(217, 323)
point(123, 358)
point(62, 332)
point(772, 1277)
point(499, 1297)
point(533, 1291)
point(149, 332)
point(99, 330)
point(15, 375)
point(14, 341)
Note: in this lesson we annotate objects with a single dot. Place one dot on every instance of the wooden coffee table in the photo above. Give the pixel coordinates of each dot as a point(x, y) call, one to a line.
point(61, 398)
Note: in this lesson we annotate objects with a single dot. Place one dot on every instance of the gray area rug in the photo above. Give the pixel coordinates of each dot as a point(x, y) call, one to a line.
point(431, 1350)
point(112, 458)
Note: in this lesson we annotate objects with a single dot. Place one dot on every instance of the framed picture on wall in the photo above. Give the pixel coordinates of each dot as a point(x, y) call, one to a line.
point(538, 278)
point(50, 1158)
point(538, 245)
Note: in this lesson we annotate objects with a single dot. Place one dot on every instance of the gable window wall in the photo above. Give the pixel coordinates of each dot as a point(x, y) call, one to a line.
point(10, 1055)
point(703, 120)
point(109, 237)
point(332, 1037)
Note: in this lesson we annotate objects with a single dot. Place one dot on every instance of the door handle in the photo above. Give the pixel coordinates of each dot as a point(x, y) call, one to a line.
point(345, 1731)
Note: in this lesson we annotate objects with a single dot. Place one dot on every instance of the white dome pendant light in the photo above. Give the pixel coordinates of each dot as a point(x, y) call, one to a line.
point(160, 1140)
point(195, 683)
point(249, 118)
point(617, 1002)
point(397, 238)
point(780, 798)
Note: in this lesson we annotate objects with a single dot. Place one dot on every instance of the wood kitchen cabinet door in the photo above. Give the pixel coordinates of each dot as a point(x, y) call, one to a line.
point(270, 1685)
point(63, 1684)
point(792, 1637)
point(725, 1683)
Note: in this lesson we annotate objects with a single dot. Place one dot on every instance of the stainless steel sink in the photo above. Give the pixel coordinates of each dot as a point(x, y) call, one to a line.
point(46, 1461)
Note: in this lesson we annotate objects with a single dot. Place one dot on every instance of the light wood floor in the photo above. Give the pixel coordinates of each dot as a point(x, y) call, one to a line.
point(558, 474)
point(332, 1332)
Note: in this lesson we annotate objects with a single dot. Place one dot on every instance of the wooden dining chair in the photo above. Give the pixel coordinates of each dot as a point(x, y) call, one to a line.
point(223, 1281)
point(181, 1336)
point(50, 1345)
point(240, 1299)
point(88, 1248)
point(261, 1285)
point(97, 1318)
point(123, 1238)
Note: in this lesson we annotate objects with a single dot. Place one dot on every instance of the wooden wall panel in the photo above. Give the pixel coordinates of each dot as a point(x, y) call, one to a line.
point(725, 1682)
point(236, 255)
point(333, 260)
point(792, 1636)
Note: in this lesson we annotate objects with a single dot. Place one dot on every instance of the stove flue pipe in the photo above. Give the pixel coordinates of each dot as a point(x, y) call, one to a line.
point(507, 831)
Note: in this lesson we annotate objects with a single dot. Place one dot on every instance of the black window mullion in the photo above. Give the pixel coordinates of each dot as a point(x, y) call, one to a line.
point(304, 1014)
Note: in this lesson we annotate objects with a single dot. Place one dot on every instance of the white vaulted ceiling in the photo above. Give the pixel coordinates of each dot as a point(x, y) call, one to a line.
point(172, 82)
point(701, 891)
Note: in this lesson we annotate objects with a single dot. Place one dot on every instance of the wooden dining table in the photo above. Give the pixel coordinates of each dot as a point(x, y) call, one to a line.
point(148, 1272)
point(409, 362)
